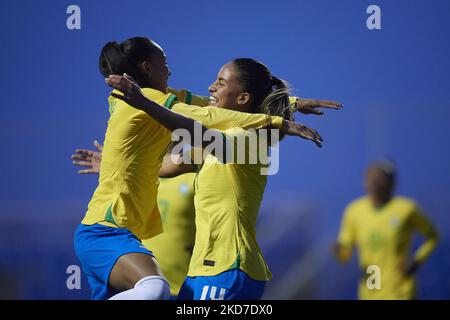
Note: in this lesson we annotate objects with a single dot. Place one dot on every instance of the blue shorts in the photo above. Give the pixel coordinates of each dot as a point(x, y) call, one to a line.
point(229, 285)
point(98, 248)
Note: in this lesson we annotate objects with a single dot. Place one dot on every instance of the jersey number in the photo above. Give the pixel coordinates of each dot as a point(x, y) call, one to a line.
point(212, 293)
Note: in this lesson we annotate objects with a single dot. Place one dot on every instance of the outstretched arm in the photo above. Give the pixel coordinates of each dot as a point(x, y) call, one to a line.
point(313, 106)
point(91, 159)
point(302, 105)
point(133, 96)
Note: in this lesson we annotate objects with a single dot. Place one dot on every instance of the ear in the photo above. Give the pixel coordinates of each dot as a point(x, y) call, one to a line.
point(243, 98)
point(145, 67)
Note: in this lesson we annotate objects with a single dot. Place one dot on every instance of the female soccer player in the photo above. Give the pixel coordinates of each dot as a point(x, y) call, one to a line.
point(173, 247)
point(123, 208)
point(381, 226)
point(227, 262)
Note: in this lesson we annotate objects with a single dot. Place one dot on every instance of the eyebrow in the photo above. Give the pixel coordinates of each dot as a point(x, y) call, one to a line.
point(222, 79)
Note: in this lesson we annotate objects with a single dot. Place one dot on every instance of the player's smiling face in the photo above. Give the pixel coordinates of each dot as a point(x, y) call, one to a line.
point(226, 92)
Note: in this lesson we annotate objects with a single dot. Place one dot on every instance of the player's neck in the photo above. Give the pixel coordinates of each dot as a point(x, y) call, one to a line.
point(379, 201)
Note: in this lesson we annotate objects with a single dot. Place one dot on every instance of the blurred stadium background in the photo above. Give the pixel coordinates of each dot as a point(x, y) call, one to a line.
point(394, 83)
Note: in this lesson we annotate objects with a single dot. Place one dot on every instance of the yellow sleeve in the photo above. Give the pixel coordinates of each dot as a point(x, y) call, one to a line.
point(222, 119)
point(187, 97)
point(292, 101)
point(346, 237)
point(424, 226)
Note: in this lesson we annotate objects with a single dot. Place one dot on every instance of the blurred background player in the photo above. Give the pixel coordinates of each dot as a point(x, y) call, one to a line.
point(380, 226)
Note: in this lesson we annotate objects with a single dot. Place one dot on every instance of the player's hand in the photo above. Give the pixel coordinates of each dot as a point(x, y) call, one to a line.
point(88, 158)
point(410, 268)
point(292, 128)
point(312, 106)
point(132, 93)
point(336, 250)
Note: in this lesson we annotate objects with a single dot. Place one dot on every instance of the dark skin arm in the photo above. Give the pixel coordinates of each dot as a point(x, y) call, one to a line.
point(133, 96)
point(311, 106)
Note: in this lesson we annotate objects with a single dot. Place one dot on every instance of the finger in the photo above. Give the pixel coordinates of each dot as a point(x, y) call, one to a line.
point(118, 83)
point(318, 143)
point(119, 96)
point(81, 157)
point(314, 139)
point(129, 85)
point(84, 151)
point(317, 136)
point(316, 112)
point(310, 110)
point(316, 103)
point(98, 145)
point(82, 163)
point(87, 171)
point(130, 78)
point(328, 104)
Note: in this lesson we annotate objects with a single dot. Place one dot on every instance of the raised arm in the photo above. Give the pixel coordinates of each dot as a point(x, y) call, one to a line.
point(133, 96)
point(313, 106)
point(208, 116)
point(302, 105)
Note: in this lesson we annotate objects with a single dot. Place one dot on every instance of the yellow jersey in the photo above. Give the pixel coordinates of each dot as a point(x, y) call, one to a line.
point(227, 200)
point(382, 237)
point(187, 97)
point(173, 247)
point(134, 147)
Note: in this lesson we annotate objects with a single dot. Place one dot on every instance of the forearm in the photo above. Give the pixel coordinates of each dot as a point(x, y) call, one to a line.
point(223, 119)
point(173, 121)
point(424, 251)
point(171, 167)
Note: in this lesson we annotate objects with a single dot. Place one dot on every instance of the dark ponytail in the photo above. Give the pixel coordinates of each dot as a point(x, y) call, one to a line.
point(125, 57)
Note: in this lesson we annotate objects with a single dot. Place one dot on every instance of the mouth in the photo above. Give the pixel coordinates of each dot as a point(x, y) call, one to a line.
point(213, 100)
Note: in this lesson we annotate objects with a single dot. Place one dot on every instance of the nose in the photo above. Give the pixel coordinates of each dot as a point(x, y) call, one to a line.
point(212, 87)
point(169, 72)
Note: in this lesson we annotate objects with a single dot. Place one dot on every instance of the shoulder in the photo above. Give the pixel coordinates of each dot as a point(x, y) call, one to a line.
point(358, 203)
point(405, 202)
point(406, 205)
